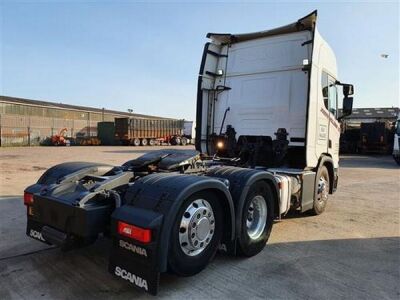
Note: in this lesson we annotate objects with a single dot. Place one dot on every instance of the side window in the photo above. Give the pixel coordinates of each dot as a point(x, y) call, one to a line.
point(324, 84)
point(329, 93)
point(332, 96)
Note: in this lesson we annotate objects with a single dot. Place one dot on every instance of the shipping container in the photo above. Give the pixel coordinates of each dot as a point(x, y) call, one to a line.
point(143, 131)
point(106, 133)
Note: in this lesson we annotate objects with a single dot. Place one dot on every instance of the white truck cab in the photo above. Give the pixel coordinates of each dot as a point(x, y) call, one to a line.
point(270, 99)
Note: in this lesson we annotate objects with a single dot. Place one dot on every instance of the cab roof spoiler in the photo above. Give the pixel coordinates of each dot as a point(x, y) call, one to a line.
point(306, 23)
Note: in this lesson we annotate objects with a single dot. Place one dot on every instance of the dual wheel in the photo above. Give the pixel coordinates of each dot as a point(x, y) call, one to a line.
point(199, 226)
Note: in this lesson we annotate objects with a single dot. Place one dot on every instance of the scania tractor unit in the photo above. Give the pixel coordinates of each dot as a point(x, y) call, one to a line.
point(267, 141)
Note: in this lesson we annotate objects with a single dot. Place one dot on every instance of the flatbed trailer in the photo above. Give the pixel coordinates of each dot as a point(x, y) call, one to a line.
point(267, 141)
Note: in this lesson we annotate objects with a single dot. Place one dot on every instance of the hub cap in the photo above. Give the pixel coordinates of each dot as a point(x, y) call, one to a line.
point(322, 190)
point(256, 217)
point(197, 227)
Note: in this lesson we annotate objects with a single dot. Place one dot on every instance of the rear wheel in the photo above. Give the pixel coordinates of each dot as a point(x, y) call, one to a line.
point(136, 142)
point(152, 142)
point(196, 234)
point(257, 219)
point(184, 141)
point(144, 142)
point(321, 191)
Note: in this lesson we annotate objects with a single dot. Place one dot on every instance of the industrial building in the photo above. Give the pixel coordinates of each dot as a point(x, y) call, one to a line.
point(369, 130)
point(25, 122)
point(371, 115)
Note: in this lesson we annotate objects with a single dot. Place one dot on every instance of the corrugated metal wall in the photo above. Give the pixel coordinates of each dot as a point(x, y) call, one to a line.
point(24, 125)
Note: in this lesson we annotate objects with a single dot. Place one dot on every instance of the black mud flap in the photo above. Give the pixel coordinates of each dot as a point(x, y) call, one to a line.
point(34, 230)
point(137, 273)
point(131, 260)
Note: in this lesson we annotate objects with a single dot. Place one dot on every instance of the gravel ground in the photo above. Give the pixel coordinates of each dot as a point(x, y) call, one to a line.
point(350, 251)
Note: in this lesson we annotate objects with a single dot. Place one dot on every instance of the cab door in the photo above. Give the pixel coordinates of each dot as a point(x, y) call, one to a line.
point(334, 125)
point(322, 133)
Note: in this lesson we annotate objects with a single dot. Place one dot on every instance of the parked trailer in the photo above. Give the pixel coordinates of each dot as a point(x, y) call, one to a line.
point(376, 137)
point(271, 146)
point(141, 131)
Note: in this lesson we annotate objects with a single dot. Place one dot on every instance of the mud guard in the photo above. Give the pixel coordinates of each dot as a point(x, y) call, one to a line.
point(240, 180)
point(132, 260)
point(153, 202)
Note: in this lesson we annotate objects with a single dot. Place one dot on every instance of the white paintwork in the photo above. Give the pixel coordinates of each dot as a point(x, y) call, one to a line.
point(269, 90)
point(274, 80)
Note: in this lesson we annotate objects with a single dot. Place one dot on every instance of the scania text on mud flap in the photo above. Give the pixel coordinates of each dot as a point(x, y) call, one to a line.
point(267, 141)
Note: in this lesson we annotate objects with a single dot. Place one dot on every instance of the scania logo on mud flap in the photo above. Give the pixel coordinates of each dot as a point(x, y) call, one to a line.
point(135, 249)
point(124, 274)
point(36, 235)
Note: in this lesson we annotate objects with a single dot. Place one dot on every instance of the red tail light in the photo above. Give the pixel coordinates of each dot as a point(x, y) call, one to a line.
point(28, 198)
point(134, 232)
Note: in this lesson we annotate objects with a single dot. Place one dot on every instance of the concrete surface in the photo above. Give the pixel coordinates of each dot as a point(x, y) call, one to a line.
point(350, 251)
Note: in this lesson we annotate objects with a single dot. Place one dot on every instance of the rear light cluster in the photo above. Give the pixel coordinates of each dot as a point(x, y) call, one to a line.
point(137, 233)
point(28, 198)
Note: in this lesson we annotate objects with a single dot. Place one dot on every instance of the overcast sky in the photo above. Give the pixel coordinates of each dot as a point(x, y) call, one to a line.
point(146, 56)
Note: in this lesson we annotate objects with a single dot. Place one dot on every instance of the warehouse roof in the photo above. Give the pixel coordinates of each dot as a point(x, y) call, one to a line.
point(373, 113)
point(14, 100)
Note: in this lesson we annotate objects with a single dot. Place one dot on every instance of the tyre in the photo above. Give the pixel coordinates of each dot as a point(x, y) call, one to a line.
point(152, 142)
point(257, 219)
point(195, 234)
point(144, 142)
point(177, 141)
point(321, 193)
point(184, 141)
point(136, 142)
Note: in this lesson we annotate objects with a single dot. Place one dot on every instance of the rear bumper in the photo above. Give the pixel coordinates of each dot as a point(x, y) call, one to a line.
point(53, 221)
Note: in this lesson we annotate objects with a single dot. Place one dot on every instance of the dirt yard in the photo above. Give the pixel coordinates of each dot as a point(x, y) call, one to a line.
point(350, 251)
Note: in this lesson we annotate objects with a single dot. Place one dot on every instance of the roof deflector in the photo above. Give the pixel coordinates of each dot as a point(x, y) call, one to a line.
point(305, 23)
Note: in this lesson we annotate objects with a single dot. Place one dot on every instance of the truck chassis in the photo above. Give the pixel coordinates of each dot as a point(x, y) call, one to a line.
point(167, 210)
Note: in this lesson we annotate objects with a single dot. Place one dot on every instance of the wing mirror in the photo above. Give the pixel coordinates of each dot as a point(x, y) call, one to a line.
point(348, 89)
point(347, 107)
